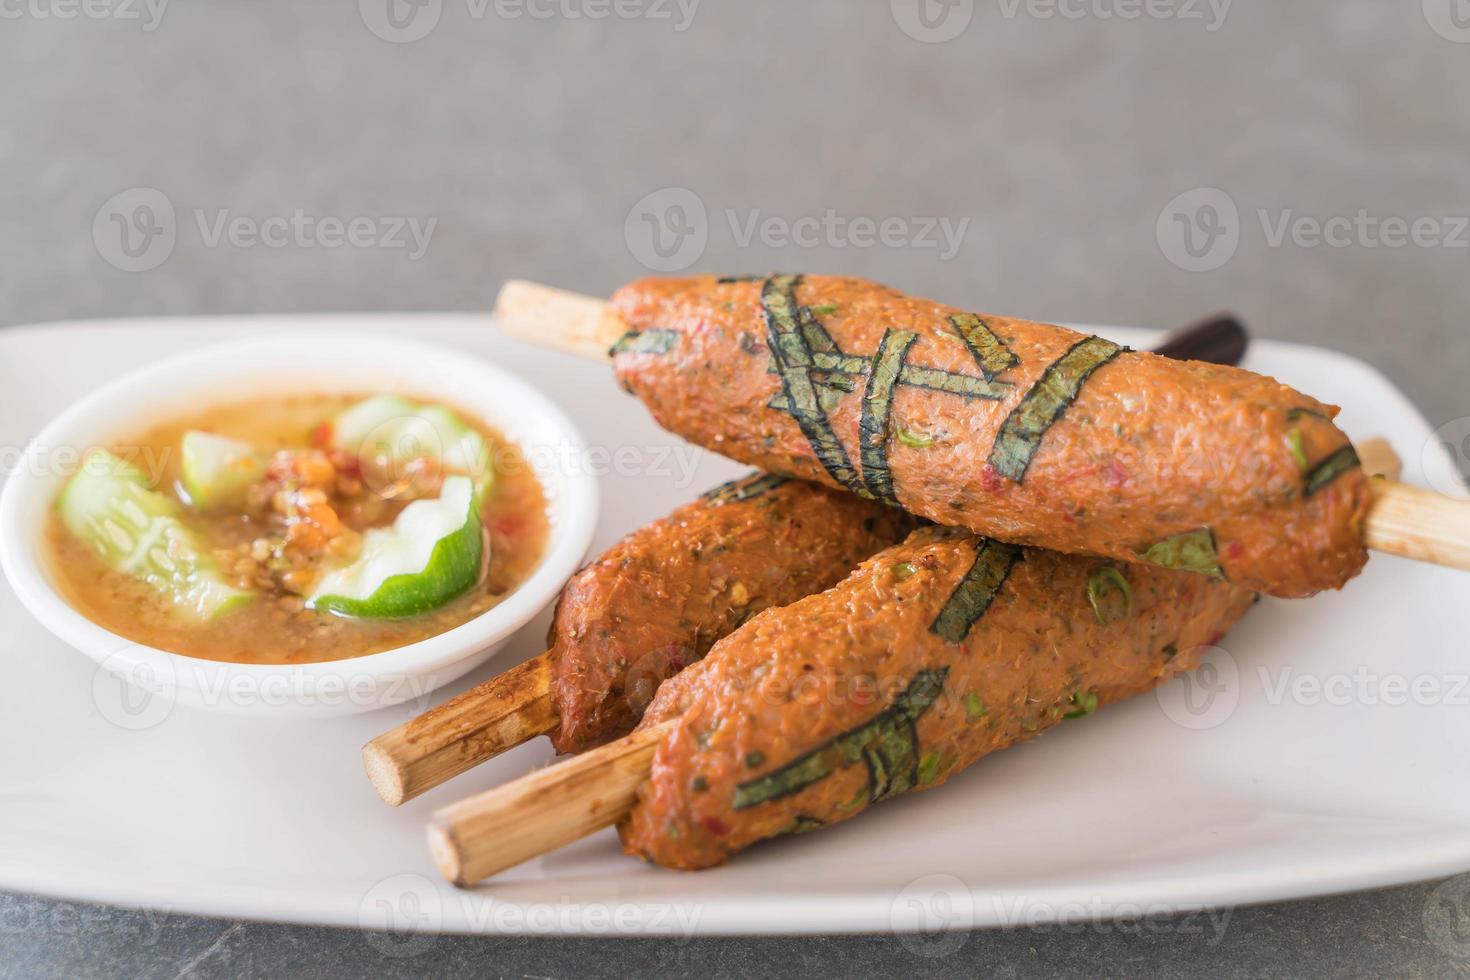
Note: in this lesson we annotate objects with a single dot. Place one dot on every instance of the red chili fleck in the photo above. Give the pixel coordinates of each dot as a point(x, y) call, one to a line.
point(1116, 475)
point(321, 436)
point(989, 479)
point(507, 526)
point(715, 826)
point(348, 464)
point(1235, 550)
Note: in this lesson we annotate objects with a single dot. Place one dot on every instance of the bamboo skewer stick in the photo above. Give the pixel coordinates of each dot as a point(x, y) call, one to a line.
point(1421, 524)
point(1405, 521)
point(551, 317)
point(550, 808)
point(461, 733)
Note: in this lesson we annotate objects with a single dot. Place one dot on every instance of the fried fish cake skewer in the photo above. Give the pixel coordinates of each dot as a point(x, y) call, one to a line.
point(929, 656)
point(1023, 431)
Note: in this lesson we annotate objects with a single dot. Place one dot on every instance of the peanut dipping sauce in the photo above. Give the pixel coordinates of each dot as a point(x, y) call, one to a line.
point(276, 628)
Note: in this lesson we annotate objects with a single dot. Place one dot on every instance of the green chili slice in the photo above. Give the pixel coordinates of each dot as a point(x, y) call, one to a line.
point(1298, 450)
point(914, 440)
point(1084, 704)
point(1100, 583)
point(1192, 551)
point(974, 707)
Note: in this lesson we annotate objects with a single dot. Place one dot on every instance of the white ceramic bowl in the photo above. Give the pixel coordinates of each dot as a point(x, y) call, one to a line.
point(297, 364)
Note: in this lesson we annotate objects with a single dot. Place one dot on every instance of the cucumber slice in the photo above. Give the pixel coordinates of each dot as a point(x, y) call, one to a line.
point(430, 555)
point(388, 431)
point(137, 531)
point(215, 470)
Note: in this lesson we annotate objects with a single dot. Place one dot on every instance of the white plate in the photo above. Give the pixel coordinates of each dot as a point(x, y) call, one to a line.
point(1136, 810)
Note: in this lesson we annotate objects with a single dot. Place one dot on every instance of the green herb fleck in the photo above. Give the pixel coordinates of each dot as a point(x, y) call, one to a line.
point(903, 570)
point(1100, 583)
point(914, 440)
point(753, 759)
point(1298, 450)
point(928, 768)
point(1192, 551)
point(826, 310)
point(974, 707)
point(1085, 703)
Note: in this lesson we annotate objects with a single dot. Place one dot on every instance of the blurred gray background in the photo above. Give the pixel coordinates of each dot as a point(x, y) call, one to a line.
point(1099, 161)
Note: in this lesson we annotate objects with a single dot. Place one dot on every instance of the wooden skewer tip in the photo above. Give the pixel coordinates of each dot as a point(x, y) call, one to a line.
point(445, 852)
point(543, 810)
point(471, 728)
point(384, 773)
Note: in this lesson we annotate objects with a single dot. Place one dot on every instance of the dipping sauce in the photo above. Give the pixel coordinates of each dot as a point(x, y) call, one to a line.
point(267, 532)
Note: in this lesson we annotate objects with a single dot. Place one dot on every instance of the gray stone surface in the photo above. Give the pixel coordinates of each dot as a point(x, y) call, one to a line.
point(530, 141)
